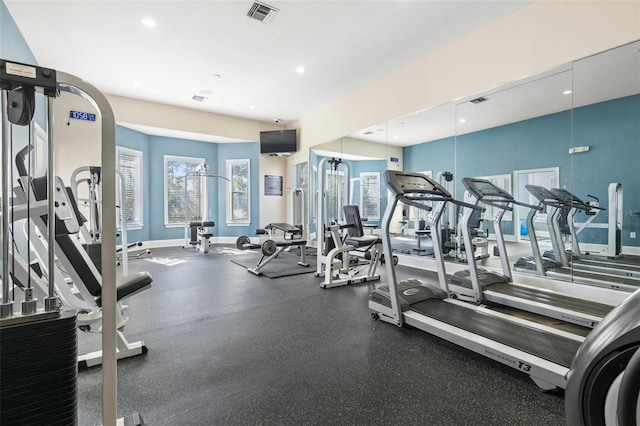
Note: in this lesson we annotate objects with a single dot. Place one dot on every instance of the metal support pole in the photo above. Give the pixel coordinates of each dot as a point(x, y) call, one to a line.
point(51, 303)
point(6, 308)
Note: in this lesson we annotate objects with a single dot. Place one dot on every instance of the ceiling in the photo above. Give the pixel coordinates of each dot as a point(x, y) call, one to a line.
point(241, 66)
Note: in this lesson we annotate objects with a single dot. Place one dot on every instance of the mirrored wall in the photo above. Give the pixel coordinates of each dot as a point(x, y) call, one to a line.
point(575, 127)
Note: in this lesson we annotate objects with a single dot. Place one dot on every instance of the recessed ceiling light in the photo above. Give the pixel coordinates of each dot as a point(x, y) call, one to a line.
point(148, 22)
point(300, 70)
point(396, 138)
point(462, 120)
point(566, 92)
point(217, 76)
point(252, 107)
point(137, 84)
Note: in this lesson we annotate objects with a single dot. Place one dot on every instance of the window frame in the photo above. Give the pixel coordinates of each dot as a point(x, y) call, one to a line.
point(198, 162)
point(229, 163)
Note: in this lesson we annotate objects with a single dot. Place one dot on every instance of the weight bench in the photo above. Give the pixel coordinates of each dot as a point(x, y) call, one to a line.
point(271, 248)
point(339, 272)
point(423, 230)
point(198, 236)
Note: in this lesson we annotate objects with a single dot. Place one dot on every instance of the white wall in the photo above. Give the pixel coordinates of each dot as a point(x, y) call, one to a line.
point(272, 208)
point(77, 141)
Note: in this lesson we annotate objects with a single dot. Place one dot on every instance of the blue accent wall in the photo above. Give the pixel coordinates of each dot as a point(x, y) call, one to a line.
point(154, 148)
point(437, 156)
point(12, 44)
point(612, 131)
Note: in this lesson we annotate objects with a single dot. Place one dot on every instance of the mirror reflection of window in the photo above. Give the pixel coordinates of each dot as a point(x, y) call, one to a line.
point(370, 195)
point(335, 195)
point(546, 177)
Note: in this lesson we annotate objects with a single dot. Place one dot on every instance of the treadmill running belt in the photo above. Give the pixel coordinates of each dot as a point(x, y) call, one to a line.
point(619, 266)
point(616, 279)
point(544, 345)
point(557, 300)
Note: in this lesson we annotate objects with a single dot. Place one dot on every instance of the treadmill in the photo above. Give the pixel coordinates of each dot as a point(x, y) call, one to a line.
point(480, 285)
point(630, 272)
point(555, 201)
point(545, 354)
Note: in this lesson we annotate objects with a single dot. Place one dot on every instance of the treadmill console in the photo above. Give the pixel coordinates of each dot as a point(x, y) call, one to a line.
point(482, 189)
point(542, 194)
point(407, 183)
point(568, 198)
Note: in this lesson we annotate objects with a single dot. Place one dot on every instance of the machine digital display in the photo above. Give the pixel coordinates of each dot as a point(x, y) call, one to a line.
point(483, 188)
point(566, 197)
point(541, 193)
point(401, 183)
point(78, 115)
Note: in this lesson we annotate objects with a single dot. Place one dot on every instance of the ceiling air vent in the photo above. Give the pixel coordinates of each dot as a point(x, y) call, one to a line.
point(198, 98)
point(479, 100)
point(262, 12)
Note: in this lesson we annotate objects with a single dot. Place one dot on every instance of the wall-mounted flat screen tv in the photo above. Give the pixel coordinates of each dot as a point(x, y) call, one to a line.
point(278, 141)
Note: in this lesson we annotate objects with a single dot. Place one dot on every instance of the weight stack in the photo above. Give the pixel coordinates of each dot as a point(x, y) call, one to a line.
point(38, 369)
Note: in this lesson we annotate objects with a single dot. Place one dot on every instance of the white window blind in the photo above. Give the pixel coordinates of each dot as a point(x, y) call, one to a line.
point(130, 168)
point(370, 195)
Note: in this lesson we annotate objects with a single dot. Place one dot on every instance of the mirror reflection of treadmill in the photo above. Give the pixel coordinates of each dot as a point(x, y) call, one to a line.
point(558, 204)
point(481, 285)
point(592, 269)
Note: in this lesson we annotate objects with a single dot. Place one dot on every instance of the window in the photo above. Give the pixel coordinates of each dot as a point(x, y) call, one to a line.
point(370, 195)
point(183, 194)
point(238, 194)
point(129, 166)
point(334, 198)
point(300, 201)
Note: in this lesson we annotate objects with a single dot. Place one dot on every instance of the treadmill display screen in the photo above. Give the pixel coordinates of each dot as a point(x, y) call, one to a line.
point(482, 188)
point(541, 193)
point(403, 183)
point(567, 197)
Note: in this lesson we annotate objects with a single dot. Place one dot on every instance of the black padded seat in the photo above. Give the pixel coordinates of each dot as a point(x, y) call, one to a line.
point(203, 224)
point(125, 287)
point(290, 243)
point(364, 241)
point(355, 229)
point(287, 228)
point(130, 285)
